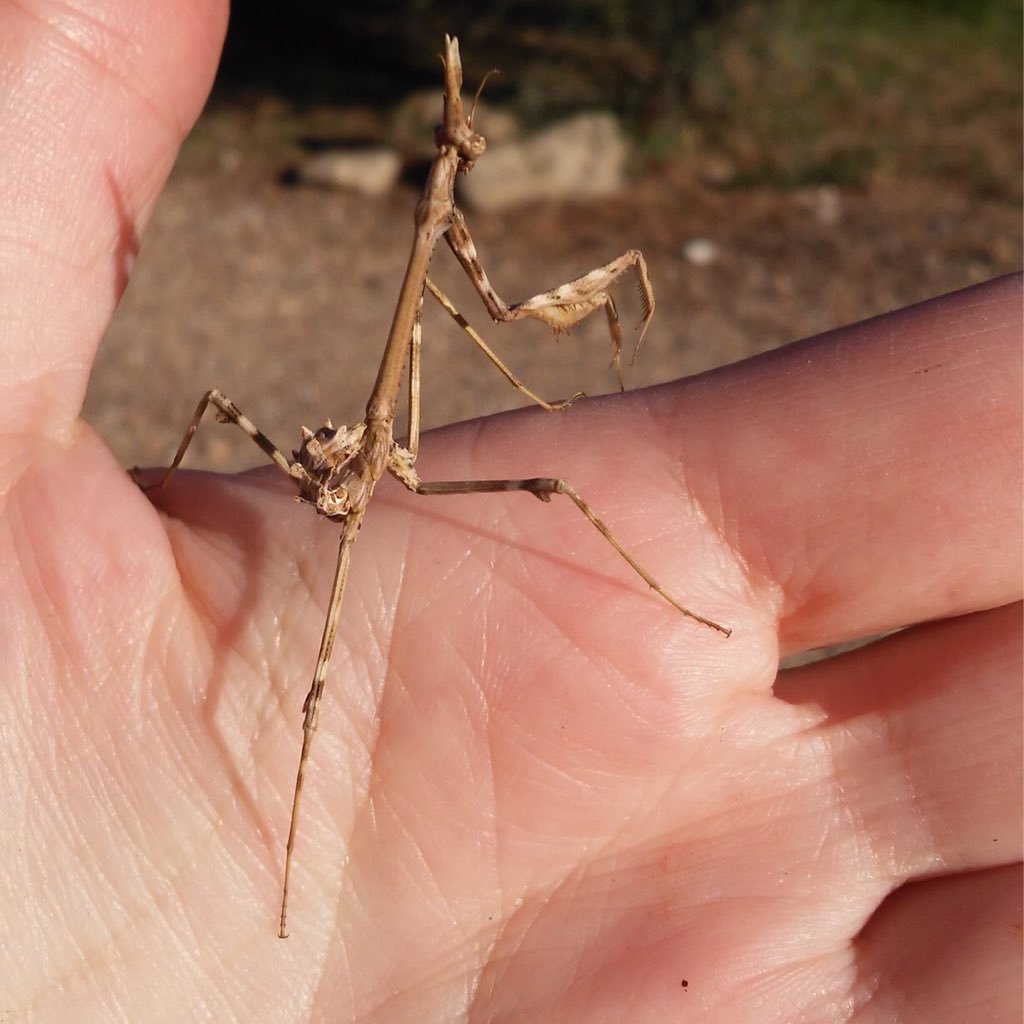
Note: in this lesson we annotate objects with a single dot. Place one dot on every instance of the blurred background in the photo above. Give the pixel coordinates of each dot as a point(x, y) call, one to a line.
point(786, 167)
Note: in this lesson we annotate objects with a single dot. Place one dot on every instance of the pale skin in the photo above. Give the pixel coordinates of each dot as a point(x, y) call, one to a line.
point(561, 830)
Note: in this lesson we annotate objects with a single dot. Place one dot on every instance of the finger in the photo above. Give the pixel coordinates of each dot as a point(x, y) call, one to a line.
point(859, 481)
point(99, 97)
point(922, 731)
point(870, 477)
point(944, 950)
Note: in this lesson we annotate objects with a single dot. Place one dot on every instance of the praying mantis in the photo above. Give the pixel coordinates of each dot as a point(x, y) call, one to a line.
point(337, 468)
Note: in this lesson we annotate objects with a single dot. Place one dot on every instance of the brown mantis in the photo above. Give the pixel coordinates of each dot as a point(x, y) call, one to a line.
point(336, 469)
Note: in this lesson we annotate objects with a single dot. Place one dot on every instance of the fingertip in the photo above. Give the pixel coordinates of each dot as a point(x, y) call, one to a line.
point(103, 95)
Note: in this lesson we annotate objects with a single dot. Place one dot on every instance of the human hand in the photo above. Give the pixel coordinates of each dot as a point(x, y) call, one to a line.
point(537, 792)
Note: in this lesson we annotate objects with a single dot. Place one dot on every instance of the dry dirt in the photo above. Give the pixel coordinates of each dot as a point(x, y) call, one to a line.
point(282, 297)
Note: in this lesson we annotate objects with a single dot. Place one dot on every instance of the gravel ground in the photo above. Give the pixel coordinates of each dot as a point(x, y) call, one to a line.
point(282, 297)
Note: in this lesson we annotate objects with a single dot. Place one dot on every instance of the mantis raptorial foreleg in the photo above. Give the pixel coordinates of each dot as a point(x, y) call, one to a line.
point(563, 307)
point(415, 363)
point(449, 308)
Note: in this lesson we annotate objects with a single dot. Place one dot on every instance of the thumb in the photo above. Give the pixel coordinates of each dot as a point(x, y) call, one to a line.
point(94, 102)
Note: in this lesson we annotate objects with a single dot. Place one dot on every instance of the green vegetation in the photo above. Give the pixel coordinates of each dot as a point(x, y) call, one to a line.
point(795, 93)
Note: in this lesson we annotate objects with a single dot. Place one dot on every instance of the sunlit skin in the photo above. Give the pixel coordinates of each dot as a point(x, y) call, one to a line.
point(541, 794)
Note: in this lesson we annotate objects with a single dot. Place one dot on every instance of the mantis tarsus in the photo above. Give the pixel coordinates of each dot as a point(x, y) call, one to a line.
point(336, 469)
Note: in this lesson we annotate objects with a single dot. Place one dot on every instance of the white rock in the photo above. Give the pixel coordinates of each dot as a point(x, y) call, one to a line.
point(582, 157)
point(371, 172)
point(701, 252)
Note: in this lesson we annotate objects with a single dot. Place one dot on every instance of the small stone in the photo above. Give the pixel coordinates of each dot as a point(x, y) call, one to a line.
point(828, 206)
point(582, 157)
point(701, 252)
point(825, 203)
point(371, 172)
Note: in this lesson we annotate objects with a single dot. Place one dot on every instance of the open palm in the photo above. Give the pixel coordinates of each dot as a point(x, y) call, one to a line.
point(537, 793)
